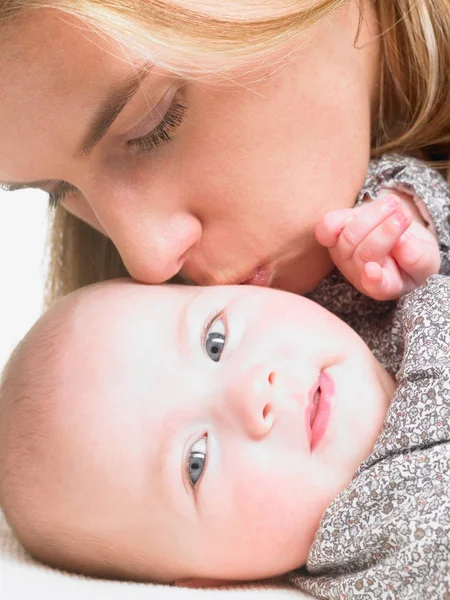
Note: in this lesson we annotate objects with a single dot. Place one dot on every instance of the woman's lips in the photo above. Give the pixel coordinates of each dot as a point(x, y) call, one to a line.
point(318, 409)
point(262, 276)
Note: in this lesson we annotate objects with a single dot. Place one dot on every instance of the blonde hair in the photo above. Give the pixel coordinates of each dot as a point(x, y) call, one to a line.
point(216, 37)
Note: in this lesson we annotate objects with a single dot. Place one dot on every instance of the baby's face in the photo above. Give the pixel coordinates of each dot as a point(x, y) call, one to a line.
point(203, 431)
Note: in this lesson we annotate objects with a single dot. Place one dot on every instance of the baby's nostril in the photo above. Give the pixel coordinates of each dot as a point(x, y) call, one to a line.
point(271, 378)
point(268, 418)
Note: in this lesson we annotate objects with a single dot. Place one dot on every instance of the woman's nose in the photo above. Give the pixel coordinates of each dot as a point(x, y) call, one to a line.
point(154, 248)
point(251, 400)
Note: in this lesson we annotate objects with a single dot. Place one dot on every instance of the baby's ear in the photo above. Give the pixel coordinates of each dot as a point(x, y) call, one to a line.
point(201, 583)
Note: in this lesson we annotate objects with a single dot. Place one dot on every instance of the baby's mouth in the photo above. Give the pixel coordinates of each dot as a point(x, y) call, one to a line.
point(315, 402)
point(319, 409)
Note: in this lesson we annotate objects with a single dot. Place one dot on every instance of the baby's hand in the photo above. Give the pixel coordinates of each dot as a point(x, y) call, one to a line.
point(380, 248)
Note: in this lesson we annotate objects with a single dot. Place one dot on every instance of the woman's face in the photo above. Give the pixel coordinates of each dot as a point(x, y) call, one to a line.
point(250, 166)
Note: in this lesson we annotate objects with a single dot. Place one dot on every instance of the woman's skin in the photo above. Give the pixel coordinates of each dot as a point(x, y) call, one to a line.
point(245, 177)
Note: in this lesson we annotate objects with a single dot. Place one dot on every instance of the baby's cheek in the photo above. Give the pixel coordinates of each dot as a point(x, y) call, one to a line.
point(280, 518)
point(271, 497)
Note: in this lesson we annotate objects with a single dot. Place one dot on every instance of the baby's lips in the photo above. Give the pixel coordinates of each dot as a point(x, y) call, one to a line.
point(309, 408)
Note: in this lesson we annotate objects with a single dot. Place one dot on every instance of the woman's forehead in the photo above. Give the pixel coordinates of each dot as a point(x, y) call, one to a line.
point(46, 35)
point(48, 94)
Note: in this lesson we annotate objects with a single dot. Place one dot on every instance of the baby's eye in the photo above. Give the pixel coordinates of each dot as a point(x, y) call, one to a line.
point(215, 339)
point(196, 460)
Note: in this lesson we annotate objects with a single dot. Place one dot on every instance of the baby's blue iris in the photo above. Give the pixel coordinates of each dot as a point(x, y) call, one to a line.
point(215, 343)
point(215, 340)
point(197, 460)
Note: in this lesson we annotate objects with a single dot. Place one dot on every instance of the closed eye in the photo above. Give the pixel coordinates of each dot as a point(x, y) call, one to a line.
point(58, 194)
point(163, 132)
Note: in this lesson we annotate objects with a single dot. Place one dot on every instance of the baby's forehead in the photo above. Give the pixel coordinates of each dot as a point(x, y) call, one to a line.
point(120, 331)
point(124, 302)
point(122, 291)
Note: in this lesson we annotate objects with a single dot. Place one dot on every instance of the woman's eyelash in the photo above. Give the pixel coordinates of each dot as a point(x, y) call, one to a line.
point(164, 130)
point(161, 134)
point(55, 197)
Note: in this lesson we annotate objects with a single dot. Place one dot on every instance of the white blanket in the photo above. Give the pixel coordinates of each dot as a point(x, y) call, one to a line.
point(22, 578)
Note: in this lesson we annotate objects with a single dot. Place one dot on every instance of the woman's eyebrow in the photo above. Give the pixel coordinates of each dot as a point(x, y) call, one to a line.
point(114, 104)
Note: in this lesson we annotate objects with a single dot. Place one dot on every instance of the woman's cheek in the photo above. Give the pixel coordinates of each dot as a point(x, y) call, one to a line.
point(79, 207)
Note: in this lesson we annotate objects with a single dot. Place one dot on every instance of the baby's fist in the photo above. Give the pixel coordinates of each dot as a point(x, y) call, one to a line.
point(379, 247)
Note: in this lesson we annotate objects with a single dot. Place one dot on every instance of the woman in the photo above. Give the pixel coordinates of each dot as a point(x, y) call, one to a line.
point(272, 112)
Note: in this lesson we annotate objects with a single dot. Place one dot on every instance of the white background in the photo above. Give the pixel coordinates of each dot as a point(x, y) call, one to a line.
point(23, 230)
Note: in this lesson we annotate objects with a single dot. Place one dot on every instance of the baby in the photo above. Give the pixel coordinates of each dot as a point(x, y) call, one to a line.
point(175, 433)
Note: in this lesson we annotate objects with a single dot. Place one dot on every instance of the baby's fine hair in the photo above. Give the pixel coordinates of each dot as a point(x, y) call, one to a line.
point(27, 390)
point(34, 395)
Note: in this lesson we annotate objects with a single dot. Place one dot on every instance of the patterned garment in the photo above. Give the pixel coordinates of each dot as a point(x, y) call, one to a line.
point(387, 535)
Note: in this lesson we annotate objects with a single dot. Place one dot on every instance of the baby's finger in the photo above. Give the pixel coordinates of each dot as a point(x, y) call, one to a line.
point(329, 228)
point(377, 245)
point(382, 283)
point(418, 257)
point(366, 219)
point(374, 273)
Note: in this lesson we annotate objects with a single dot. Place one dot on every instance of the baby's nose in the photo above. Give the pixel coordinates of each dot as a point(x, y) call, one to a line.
point(251, 400)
